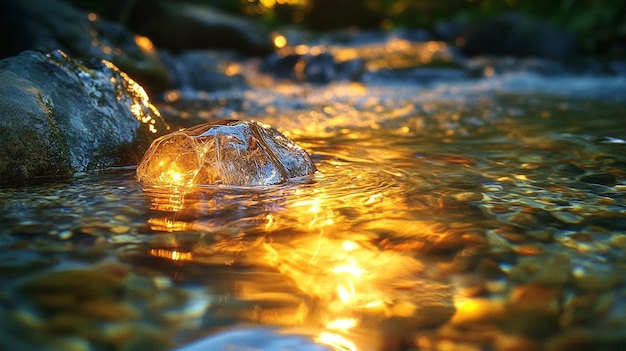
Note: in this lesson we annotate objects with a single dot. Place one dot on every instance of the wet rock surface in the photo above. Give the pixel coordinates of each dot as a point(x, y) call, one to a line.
point(49, 25)
point(230, 152)
point(60, 116)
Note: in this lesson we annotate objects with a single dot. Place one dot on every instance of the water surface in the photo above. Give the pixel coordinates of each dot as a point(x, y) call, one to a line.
point(486, 214)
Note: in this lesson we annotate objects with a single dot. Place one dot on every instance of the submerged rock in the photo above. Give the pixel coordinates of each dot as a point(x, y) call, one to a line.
point(80, 306)
point(229, 152)
point(59, 116)
point(599, 178)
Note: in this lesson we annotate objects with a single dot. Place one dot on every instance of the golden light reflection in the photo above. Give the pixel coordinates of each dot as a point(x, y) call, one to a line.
point(301, 49)
point(271, 223)
point(398, 45)
point(341, 278)
point(232, 69)
point(268, 3)
point(171, 96)
point(336, 341)
point(172, 175)
point(396, 54)
point(141, 108)
point(167, 225)
point(166, 171)
point(144, 43)
point(279, 41)
point(317, 50)
point(172, 254)
point(341, 267)
point(342, 324)
point(173, 201)
point(350, 279)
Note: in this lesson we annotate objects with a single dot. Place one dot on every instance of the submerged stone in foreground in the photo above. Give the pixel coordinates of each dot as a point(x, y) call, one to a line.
point(228, 152)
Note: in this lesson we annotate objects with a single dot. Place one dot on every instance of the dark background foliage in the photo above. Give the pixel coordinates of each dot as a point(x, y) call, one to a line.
point(598, 25)
point(594, 22)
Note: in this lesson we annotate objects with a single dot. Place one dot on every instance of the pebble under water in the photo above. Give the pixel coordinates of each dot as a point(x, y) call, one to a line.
point(485, 215)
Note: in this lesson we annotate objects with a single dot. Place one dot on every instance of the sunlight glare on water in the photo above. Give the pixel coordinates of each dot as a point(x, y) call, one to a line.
point(405, 198)
point(322, 237)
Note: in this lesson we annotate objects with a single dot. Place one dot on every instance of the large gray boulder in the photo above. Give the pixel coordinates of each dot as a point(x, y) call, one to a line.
point(59, 116)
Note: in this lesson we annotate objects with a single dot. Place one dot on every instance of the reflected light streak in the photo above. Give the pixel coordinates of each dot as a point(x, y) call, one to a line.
point(339, 268)
point(374, 198)
point(271, 223)
point(342, 324)
point(172, 254)
point(141, 108)
point(172, 202)
point(167, 225)
point(351, 269)
point(322, 215)
point(346, 294)
point(347, 278)
point(397, 53)
point(337, 341)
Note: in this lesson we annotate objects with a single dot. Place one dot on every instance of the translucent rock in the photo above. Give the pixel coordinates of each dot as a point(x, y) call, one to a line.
point(229, 152)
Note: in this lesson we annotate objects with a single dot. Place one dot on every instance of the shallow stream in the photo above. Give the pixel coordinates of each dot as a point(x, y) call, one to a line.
point(475, 215)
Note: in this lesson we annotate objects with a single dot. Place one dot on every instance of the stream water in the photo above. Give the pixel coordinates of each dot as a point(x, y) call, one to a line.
point(476, 215)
